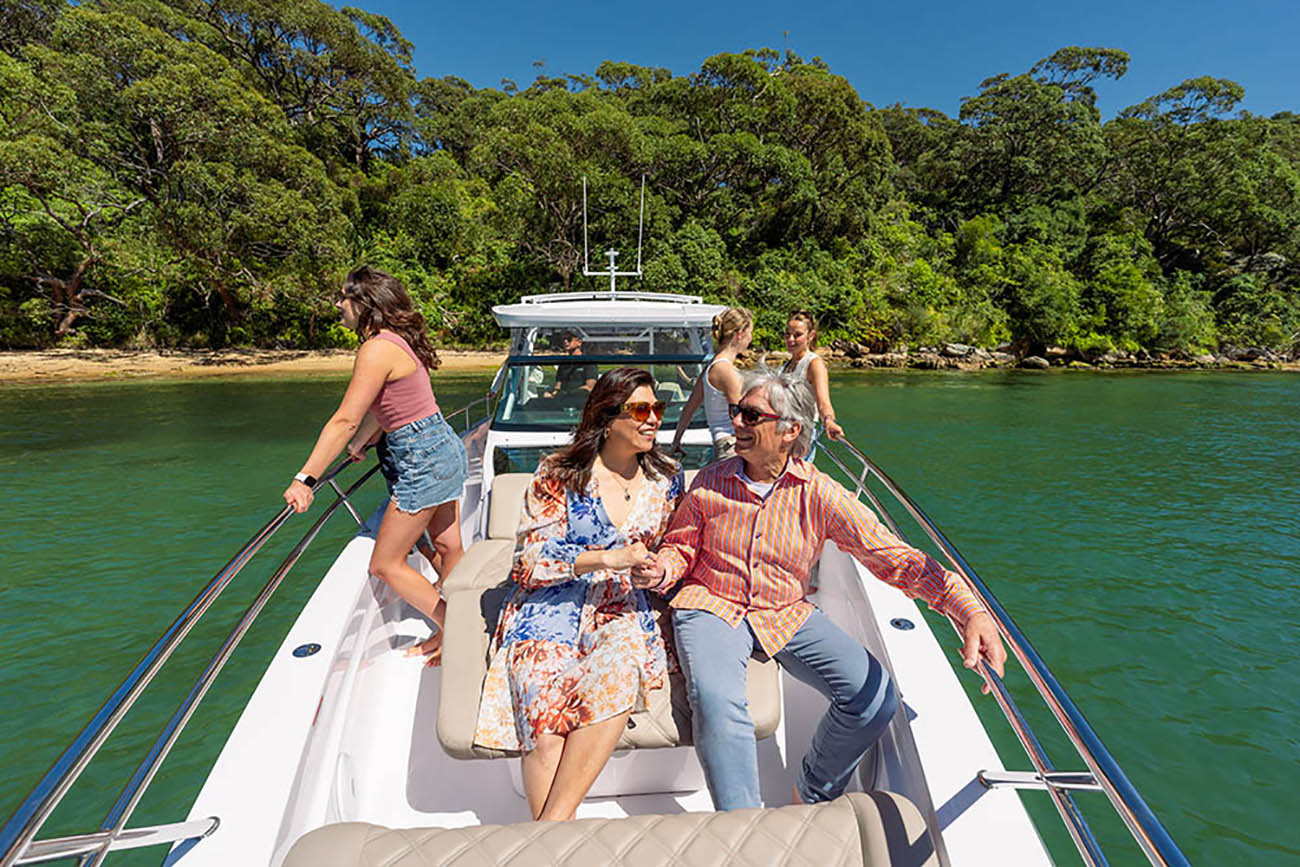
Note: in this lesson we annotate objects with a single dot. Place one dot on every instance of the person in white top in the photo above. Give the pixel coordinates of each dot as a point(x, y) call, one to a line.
point(720, 384)
point(800, 338)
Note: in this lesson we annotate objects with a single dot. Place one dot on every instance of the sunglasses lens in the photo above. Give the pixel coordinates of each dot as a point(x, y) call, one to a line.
point(660, 407)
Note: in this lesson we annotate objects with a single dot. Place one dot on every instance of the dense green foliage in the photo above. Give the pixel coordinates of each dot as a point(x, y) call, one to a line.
point(202, 172)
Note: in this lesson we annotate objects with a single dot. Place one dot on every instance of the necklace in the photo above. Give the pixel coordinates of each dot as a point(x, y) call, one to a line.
point(627, 489)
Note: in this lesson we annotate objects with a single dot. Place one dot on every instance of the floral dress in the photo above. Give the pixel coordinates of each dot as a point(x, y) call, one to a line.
point(572, 650)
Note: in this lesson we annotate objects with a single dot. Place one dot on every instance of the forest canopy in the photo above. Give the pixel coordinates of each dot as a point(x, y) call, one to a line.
point(201, 173)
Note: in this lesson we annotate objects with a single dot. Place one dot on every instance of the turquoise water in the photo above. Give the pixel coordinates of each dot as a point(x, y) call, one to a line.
point(1141, 528)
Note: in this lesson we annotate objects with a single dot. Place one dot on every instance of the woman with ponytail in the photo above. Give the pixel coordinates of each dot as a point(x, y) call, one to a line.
point(390, 391)
point(577, 648)
point(720, 385)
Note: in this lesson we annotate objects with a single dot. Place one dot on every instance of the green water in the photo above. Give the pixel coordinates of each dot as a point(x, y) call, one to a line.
point(1141, 528)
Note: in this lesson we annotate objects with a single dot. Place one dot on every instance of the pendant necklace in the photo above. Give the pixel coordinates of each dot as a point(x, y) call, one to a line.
point(627, 489)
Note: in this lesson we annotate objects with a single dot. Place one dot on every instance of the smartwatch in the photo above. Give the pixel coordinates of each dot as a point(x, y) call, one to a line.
point(309, 481)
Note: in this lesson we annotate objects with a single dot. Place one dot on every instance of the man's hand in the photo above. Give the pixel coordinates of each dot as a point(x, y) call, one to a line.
point(648, 574)
point(982, 639)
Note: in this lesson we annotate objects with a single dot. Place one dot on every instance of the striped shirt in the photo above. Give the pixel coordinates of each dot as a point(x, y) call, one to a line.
point(743, 557)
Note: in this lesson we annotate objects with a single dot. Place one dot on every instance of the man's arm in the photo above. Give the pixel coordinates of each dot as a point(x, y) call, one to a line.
point(677, 550)
point(857, 531)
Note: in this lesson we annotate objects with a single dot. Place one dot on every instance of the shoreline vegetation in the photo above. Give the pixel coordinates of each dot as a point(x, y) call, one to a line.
point(116, 365)
point(195, 175)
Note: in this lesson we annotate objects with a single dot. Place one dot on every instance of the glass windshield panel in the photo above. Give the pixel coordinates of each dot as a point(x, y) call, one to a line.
point(550, 395)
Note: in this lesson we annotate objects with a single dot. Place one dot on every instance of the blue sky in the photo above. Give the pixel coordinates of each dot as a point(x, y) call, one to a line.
point(918, 52)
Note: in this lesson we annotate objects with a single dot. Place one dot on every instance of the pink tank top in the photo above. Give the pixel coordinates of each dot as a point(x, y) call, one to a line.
point(402, 401)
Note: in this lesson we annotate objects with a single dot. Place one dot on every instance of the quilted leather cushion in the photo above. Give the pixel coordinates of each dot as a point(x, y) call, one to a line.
point(877, 828)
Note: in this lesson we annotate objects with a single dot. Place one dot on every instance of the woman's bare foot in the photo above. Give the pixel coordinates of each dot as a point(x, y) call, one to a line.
point(794, 796)
point(430, 649)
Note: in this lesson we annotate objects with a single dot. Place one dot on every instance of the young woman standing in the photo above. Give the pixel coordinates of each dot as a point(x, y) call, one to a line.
point(800, 338)
point(390, 389)
point(720, 384)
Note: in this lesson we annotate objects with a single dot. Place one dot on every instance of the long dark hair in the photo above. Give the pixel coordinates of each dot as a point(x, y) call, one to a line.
point(573, 462)
point(382, 302)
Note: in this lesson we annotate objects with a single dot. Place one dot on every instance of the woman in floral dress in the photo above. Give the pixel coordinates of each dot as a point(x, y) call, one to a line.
point(577, 648)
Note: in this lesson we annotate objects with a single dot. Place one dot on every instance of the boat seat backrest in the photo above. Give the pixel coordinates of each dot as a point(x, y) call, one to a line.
point(875, 828)
point(506, 504)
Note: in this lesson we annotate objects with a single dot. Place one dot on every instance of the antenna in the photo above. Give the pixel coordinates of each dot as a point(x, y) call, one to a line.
point(612, 253)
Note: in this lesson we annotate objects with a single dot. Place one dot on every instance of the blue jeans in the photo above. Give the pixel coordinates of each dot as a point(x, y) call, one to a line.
point(713, 656)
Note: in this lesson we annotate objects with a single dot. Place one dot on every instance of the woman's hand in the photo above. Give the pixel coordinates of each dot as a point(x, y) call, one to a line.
point(635, 554)
point(299, 496)
point(357, 451)
point(833, 429)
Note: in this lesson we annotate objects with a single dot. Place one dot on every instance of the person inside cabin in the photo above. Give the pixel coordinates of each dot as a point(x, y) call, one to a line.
point(577, 649)
point(573, 378)
point(733, 330)
point(800, 341)
point(390, 390)
point(738, 553)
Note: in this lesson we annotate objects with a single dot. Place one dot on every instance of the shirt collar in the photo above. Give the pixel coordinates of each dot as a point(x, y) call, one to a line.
point(797, 468)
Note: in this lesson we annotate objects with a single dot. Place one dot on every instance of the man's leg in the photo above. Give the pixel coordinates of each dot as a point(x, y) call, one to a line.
point(862, 700)
point(713, 657)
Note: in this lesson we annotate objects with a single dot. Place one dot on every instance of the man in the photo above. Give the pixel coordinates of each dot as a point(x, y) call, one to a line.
point(741, 544)
point(573, 378)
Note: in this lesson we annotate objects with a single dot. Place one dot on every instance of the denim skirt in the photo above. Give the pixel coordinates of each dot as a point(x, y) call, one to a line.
point(427, 464)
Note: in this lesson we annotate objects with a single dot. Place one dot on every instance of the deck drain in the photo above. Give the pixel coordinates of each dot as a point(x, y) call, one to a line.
point(303, 650)
point(902, 623)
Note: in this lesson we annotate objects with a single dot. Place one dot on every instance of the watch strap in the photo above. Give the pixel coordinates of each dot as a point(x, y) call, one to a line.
point(309, 481)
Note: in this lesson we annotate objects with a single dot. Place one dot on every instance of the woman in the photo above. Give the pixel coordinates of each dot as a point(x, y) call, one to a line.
point(800, 338)
point(390, 389)
point(577, 649)
point(719, 387)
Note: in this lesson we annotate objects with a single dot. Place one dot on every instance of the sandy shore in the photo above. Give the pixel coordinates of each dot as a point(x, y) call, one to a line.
point(92, 364)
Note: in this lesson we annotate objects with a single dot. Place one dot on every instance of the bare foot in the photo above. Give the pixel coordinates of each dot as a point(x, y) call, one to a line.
point(794, 795)
point(430, 649)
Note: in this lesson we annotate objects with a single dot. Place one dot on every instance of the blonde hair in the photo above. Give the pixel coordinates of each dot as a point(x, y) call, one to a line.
point(809, 321)
point(729, 323)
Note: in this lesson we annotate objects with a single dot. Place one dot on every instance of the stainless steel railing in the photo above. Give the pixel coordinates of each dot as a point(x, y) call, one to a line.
point(17, 837)
point(1104, 773)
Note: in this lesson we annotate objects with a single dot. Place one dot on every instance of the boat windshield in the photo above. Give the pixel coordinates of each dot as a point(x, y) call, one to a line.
point(547, 392)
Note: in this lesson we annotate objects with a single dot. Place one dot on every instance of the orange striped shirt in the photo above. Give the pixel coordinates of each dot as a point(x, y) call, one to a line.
point(743, 557)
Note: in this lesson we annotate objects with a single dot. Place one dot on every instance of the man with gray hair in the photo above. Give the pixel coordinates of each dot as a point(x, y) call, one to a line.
point(741, 545)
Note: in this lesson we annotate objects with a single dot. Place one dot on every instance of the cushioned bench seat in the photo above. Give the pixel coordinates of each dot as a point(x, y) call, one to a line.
point(877, 828)
point(474, 591)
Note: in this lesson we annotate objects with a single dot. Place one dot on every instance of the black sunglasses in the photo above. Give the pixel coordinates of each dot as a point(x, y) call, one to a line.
point(751, 416)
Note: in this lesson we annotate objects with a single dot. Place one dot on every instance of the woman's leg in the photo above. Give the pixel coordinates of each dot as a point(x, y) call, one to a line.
point(586, 750)
point(539, 770)
point(397, 533)
point(444, 530)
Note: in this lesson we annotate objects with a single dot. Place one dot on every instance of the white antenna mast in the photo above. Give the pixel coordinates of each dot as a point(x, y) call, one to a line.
point(612, 253)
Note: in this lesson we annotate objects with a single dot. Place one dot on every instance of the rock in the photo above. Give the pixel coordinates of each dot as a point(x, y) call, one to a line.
point(1003, 357)
point(849, 348)
point(1004, 348)
point(886, 359)
point(1204, 359)
point(1080, 365)
point(981, 354)
point(926, 361)
point(1035, 362)
point(1054, 352)
point(955, 350)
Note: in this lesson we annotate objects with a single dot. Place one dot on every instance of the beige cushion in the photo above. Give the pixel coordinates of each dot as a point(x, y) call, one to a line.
point(507, 504)
point(479, 564)
point(471, 618)
point(877, 828)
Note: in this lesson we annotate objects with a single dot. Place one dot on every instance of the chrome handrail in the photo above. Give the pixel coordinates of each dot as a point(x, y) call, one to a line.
point(1150, 835)
point(19, 831)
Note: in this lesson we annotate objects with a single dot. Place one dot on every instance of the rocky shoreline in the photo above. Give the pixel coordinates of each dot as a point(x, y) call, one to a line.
point(959, 356)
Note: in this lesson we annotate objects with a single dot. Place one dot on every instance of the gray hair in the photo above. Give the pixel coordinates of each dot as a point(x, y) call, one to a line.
point(792, 398)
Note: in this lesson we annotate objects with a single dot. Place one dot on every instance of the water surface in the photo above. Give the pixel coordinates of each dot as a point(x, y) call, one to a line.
point(1142, 528)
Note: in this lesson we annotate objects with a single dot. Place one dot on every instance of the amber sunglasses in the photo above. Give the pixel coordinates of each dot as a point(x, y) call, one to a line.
point(641, 409)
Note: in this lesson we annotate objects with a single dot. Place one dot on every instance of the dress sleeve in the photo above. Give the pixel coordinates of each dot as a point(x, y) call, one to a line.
point(857, 531)
point(545, 557)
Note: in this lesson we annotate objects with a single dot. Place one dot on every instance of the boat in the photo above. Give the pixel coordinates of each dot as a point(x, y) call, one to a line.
point(345, 736)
